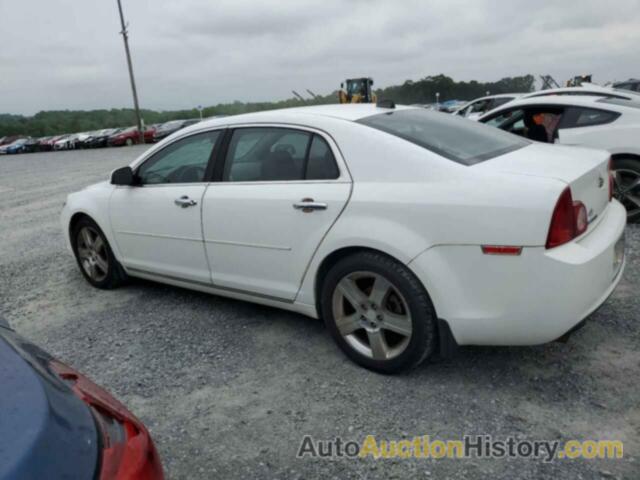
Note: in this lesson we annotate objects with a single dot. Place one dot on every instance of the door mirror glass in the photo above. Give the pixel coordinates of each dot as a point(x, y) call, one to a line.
point(123, 176)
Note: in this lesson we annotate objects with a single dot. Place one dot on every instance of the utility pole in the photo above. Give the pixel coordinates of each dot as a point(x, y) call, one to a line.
point(125, 37)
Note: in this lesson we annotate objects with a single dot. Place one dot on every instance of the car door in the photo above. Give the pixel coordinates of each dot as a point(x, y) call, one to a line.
point(157, 223)
point(278, 193)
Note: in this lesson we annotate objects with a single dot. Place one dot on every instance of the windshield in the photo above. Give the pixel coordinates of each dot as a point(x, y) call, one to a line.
point(355, 86)
point(452, 137)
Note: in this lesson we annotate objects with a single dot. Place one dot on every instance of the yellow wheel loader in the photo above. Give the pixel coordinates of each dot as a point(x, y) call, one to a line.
point(358, 91)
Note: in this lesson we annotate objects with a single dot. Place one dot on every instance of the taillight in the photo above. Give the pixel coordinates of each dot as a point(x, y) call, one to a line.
point(568, 221)
point(127, 448)
point(610, 179)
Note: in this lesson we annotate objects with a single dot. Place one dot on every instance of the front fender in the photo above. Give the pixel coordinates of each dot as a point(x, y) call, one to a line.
point(93, 202)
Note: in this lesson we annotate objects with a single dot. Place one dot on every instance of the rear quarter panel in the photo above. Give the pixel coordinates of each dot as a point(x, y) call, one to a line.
point(406, 200)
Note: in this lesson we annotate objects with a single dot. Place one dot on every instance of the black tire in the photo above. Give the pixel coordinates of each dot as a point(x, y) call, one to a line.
point(422, 340)
point(628, 170)
point(115, 275)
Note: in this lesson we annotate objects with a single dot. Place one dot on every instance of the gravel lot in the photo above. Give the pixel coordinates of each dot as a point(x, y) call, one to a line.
point(228, 389)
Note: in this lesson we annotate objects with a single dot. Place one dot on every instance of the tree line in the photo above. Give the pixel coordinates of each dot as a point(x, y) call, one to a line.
point(420, 91)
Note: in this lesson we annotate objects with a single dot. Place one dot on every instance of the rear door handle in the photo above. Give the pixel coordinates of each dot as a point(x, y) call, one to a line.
point(308, 205)
point(184, 202)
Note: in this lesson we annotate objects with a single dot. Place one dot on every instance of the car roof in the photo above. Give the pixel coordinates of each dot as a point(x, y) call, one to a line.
point(585, 90)
point(350, 112)
point(578, 100)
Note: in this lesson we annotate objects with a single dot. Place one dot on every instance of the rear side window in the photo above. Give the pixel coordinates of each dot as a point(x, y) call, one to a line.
point(450, 136)
point(265, 154)
point(588, 117)
point(321, 164)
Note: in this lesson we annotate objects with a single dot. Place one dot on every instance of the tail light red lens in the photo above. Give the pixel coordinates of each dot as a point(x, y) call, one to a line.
point(128, 451)
point(501, 250)
point(568, 221)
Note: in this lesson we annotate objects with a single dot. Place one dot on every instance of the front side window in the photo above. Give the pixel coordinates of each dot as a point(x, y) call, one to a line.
point(184, 161)
point(458, 140)
point(266, 154)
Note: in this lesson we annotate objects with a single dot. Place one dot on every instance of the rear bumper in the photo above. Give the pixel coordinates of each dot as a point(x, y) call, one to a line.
point(529, 299)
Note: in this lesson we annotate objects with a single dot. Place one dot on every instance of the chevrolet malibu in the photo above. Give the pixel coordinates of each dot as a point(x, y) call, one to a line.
point(409, 232)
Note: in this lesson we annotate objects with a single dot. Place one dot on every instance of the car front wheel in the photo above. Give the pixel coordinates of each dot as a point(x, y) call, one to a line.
point(95, 257)
point(378, 312)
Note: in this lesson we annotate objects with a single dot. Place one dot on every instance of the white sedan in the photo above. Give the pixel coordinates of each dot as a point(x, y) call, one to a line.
point(611, 124)
point(408, 231)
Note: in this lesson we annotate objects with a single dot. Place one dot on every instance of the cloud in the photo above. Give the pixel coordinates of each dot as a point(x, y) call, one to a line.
point(68, 54)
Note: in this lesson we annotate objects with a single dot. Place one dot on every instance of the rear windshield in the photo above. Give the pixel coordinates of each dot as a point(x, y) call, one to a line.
point(458, 139)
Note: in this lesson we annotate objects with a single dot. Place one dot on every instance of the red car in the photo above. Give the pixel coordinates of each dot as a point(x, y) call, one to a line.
point(131, 136)
point(59, 424)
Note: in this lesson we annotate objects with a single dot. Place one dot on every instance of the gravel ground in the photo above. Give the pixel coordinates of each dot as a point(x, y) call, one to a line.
point(228, 389)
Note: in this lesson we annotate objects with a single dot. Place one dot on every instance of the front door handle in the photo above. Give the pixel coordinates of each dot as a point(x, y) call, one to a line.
point(184, 202)
point(307, 205)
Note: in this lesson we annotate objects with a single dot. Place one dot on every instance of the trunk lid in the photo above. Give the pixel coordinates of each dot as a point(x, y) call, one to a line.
point(586, 171)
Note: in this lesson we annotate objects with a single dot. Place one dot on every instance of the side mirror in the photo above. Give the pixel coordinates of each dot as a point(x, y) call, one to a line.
point(123, 176)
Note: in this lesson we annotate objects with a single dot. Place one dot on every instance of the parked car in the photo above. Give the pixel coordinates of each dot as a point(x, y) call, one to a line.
point(49, 143)
point(354, 213)
point(86, 139)
point(100, 138)
point(611, 124)
point(43, 143)
point(450, 106)
point(149, 133)
point(31, 145)
point(127, 136)
point(16, 146)
point(66, 142)
point(173, 126)
point(10, 139)
point(474, 109)
point(632, 85)
point(59, 424)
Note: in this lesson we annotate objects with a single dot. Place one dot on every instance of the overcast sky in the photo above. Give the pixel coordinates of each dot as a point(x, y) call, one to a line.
point(67, 54)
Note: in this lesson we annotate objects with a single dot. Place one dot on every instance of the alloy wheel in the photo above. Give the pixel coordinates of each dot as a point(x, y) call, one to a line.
point(372, 315)
point(92, 253)
point(627, 191)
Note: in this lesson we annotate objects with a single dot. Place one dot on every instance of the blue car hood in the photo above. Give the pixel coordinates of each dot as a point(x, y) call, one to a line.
point(45, 430)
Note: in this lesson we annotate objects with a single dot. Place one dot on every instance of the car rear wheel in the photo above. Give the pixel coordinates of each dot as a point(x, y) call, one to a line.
point(378, 312)
point(95, 257)
point(626, 176)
